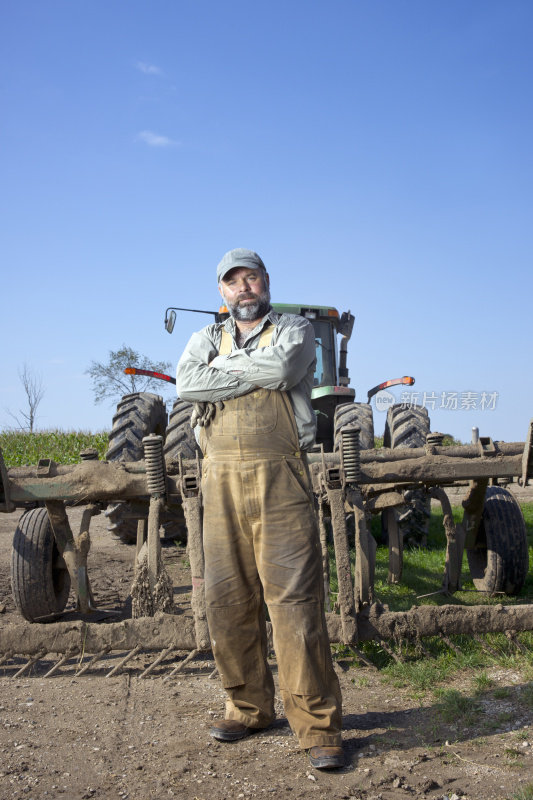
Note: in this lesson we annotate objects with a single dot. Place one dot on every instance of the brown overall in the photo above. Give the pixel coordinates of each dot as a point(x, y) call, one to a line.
point(261, 544)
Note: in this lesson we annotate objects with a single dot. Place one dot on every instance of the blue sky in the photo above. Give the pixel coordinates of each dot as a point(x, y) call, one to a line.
point(376, 154)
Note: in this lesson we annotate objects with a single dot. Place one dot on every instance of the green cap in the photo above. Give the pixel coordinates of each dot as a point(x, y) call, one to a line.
point(238, 258)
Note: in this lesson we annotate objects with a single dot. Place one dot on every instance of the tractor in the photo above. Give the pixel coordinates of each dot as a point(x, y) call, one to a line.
point(332, 398)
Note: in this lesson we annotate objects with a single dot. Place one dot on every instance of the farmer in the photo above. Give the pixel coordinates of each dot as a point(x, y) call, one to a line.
point(250, 381)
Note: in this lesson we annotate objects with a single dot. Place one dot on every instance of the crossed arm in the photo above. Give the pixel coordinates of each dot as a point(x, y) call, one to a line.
point(203, 375)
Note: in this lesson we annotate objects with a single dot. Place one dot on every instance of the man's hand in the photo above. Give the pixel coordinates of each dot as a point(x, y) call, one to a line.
point(204, 412)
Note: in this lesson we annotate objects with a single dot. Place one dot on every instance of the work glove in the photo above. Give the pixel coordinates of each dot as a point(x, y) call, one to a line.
point(204, 412)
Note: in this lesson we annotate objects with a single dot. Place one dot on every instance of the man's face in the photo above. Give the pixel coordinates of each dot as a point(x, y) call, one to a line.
point(246, 293)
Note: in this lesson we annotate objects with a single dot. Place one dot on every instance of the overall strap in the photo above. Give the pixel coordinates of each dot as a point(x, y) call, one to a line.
point(226, 341)
point(266, 337)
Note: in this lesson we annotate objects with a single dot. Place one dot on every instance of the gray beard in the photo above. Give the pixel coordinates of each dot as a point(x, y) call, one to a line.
point(250, 313)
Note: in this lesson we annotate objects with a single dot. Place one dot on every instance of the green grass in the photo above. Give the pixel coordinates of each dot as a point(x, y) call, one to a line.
point(482, 683)
point(526, 696)
point(63, 447)
point(448, 441)
point(424, 668)
point(501, 692)
point(453, 706)
point(524, 794)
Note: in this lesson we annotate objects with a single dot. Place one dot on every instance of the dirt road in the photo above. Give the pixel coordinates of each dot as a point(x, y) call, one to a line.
point(123, 736)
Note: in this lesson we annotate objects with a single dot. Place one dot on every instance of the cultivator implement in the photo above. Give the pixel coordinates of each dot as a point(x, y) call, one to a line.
point(50, 557)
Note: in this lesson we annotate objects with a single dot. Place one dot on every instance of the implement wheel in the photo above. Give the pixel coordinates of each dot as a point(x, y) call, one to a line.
point(138, 415)
point(499, 560)
point(39, 576)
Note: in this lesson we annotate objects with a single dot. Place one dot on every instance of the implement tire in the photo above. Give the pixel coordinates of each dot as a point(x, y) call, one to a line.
point(499, 560)
point(138, 415)
point(39, 576)
point(354, 415)
point(407, 426)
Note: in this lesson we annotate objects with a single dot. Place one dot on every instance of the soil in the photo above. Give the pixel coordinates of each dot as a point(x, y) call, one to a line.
point(126, 736)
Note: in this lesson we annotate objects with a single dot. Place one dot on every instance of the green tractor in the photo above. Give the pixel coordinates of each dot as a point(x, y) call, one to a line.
point(332, 398)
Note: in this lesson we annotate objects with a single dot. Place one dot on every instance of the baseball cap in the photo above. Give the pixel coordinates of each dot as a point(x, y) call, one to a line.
point(240, 257)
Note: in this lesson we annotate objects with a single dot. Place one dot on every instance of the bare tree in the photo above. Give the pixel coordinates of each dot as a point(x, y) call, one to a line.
point(109, 380)
point(34, 390)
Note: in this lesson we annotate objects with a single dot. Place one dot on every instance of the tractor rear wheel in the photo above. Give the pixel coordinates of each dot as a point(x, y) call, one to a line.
point(408, 426)
point(39, 576)
point(354, 415)
point(499, 560)
point(138, 415)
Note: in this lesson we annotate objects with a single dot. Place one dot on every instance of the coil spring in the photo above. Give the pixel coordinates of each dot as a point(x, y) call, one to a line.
point(434, 439)
point(155, 465)
point(351, 455)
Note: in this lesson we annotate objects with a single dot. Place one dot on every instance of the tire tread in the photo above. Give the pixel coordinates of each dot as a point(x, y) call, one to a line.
point(32, 577)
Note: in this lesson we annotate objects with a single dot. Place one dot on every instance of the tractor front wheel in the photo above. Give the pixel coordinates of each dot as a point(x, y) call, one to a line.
point(354, 415)
point(138, 415)
point(408, 426)
point(180, 438)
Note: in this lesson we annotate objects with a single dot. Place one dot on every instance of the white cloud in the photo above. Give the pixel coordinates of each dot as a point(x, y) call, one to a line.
point(148, 69)
point(156, 140)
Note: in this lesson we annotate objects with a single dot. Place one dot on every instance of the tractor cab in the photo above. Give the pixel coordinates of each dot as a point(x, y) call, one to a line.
point(331, 379)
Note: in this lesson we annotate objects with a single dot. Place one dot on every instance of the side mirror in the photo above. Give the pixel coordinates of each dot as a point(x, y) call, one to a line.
point(345, 324)
point(170, 321)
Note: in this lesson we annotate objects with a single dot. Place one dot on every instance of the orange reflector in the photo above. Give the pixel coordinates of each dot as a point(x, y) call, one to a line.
point(223, 310)
point(332, 312)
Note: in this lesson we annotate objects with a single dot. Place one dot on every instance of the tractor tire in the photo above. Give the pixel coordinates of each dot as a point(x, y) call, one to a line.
point(407, 427)
point(354, 415)
point(180, 436)
point(499, 560)
point(138, 415)
point(180, 439)
point(39, 576)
